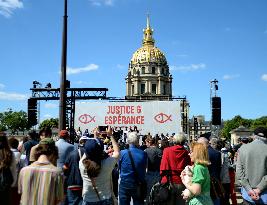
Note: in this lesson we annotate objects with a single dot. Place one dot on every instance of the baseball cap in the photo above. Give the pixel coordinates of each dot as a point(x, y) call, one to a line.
point(94, 150)
point(63, 133)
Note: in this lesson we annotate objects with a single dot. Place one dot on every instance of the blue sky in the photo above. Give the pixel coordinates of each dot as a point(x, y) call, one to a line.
point(202, 40)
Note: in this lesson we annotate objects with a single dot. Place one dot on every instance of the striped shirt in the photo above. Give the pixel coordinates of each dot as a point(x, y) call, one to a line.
point(41, 184)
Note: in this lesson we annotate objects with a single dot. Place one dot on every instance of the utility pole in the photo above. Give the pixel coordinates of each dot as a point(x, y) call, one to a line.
point(63, 92)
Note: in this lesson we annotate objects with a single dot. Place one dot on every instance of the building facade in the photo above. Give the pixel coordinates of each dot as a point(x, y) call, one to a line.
point(198, 126)
point(148, 73)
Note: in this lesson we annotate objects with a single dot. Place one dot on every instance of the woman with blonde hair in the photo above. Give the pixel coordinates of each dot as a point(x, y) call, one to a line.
point(200, 184)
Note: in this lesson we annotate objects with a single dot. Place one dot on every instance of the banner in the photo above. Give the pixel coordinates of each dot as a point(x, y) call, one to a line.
point(155, 117)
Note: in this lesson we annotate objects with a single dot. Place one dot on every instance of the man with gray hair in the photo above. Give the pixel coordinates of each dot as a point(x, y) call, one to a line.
point(129, 171)
point(251, 168)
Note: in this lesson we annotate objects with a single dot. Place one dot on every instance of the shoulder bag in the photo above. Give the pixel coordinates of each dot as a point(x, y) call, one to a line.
point(160, 192)
point(141, 185)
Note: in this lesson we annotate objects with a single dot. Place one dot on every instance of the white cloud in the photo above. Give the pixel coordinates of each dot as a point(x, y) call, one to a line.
point(102, 2)
point(50, 105)
point(189, 68)
point(87, 68)
point(231, 77)
point(264, 77)
point(2, 86)
point(12, 96)
point(8, 6)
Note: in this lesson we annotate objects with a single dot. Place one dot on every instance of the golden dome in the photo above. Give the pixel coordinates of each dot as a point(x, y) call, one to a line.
point(148, 52)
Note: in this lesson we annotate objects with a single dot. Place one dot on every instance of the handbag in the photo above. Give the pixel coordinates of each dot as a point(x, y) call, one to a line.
point(141, 188)
point(216, 188)
point(161, 192)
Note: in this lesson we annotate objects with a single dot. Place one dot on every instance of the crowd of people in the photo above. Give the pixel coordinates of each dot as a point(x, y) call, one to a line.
point(107, 167)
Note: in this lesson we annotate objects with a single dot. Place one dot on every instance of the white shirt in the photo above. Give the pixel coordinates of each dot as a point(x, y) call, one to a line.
point(103, 181)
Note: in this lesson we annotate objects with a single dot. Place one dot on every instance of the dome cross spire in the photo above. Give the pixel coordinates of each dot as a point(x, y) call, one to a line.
point(148, 32)
point(147, 21)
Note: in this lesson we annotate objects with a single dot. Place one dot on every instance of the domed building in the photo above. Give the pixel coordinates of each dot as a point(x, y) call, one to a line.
point(148, 74)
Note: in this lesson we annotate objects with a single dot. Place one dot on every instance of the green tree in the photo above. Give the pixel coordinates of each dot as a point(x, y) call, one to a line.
point(260, 122)
point(14, 121)
point(52, 123)
point(238, 120)
point(2, 125)
point(233, 124)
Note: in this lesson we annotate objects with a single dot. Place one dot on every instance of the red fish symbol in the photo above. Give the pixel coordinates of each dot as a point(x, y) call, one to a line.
point(85, 118)
point(162, 118)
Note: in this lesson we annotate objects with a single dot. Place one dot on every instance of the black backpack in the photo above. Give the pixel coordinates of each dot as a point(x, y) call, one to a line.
point(6, 178)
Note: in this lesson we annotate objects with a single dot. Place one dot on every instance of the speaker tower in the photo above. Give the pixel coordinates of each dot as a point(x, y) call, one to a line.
point(216, 111)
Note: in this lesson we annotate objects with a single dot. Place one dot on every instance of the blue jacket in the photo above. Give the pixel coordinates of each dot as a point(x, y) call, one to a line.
point(126, 170)
point(64, 149)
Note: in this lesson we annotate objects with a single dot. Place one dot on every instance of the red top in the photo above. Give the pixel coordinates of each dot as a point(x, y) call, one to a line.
point(174, 158)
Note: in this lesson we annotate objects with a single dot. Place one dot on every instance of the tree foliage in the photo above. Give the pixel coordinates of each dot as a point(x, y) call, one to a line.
point(51, 123)
point(237, 121)
point(13, 121)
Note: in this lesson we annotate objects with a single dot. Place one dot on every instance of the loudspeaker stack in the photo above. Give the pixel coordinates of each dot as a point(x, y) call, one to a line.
point(216, 111)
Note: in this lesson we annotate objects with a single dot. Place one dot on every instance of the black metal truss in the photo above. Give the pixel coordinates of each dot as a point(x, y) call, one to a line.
point(78, 93)
point(74, 94)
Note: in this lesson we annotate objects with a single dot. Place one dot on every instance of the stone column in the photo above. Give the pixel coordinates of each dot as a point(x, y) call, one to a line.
point(159, 87)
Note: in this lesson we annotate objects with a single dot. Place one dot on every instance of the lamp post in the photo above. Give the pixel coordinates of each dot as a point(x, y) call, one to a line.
point(63, 93)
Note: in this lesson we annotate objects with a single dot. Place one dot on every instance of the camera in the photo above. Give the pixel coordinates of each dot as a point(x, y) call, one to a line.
point(102, 129)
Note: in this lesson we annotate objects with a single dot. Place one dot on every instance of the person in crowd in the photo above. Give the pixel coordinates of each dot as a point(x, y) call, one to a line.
point(128, 181)
point(73, 176)
point(174, 160)
point(8, 174)
point(154, 155)
point(215, 162)
point(96, 170)
point(225, 177)
point(42, 182)
point(163, 143)
point(27, 146)
point(14, 143)
point(251, 168)
point(64, 148)
point(200, 185)
point(79, 133)
point(232, 176)
point(22, 142)
point(43, 133)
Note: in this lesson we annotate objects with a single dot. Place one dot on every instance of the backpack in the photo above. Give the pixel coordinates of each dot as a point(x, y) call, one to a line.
point(6, 178)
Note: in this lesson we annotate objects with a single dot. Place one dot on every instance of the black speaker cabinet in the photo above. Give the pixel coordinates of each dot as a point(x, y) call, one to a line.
point(216, 111)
